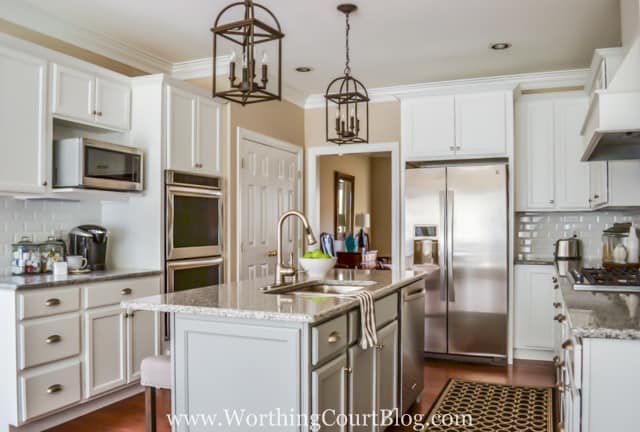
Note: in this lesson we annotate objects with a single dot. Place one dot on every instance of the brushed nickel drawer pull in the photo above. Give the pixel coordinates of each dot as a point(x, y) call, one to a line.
point(567, 345)
point(348, 370)
point(334, 337)
point(560, 318)
point(379, 347)
point(56, 388)
point(52, 302)
point(413, 386)
point(125, 291)
point(53, 339)
point(556, 305)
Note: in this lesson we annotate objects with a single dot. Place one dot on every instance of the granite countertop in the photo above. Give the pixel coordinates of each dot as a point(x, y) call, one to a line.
point(246, 300)
point(45, 280)
point(601, 315)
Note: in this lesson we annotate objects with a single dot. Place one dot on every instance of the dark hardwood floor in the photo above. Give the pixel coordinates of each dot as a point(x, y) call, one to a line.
point(128, 415)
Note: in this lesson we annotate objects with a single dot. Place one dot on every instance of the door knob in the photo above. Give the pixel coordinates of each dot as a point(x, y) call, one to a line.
point(272, 253)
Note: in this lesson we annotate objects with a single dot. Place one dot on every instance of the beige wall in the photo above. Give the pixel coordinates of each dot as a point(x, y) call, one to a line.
point(380, 175)
point(355, 165)
point(384, 125)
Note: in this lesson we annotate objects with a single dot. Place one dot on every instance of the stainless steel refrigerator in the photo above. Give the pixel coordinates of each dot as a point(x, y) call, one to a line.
point(456, 217)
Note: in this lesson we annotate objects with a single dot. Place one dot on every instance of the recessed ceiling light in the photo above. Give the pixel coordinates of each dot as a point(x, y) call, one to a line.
point(499, 46)
point(304, 69)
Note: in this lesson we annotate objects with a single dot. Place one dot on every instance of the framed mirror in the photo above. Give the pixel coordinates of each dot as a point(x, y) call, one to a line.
point(344, 205)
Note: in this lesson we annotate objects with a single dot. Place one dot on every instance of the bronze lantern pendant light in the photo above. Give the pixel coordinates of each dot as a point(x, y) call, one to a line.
point(249, 32)
point(350, 98)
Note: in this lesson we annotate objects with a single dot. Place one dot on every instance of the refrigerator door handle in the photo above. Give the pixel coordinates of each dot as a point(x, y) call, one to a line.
point(450, 285)
point(442, 245)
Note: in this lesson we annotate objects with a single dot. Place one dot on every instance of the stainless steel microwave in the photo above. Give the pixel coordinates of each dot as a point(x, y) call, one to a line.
point(87, 163)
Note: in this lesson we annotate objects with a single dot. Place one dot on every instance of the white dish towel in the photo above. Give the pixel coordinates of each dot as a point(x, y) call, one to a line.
point(368, 335)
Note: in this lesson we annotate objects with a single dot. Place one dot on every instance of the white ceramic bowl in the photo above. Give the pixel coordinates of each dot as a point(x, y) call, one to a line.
point(317, 267)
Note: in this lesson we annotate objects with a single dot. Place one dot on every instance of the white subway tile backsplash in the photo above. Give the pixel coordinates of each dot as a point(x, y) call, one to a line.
point(38, 220)
point(537, 233)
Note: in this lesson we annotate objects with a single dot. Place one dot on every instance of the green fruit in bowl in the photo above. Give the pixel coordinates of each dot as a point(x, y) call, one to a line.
point(316, 254)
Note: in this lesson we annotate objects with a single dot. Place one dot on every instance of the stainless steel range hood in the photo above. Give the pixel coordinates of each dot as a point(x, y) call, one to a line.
point(612, 126)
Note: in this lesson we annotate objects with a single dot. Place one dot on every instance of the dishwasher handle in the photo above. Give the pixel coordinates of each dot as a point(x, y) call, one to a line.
point(413, 295)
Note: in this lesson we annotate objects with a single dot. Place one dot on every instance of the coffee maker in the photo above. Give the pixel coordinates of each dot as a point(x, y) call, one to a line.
point(90, 241)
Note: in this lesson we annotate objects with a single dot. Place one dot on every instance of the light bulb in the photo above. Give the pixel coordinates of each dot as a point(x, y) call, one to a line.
point(337, 114)
point(264, 57)
point(233, 56)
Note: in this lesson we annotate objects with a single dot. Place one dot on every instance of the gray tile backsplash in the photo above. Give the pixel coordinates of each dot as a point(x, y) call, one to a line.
point(38, 220)
point(537, 232)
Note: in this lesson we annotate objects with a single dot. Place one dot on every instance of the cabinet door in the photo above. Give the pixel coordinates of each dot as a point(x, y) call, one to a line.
point(22, 122)
point(535, 154)
point(329, 387)
point(572, 175)
point(208, 150)
point(181, 130)
point(105, 336)
point(428, 128)
point(481, 125)
point(142, 341)
point(73, 94)
point(361, 384)
point(387, 368)
point(113, 104)
point(598, 183)
point(534, 311)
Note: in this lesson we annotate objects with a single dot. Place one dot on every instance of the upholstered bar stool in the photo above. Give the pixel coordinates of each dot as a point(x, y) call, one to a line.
point(155, 373)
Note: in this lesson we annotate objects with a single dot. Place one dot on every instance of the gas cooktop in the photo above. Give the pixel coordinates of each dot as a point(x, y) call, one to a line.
point(602, 279)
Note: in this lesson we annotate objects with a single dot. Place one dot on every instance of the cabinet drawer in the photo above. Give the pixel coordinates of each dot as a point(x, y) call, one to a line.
point(328, 338)
point(48, 301)
point(48, 339)
point(49, 388)
point(110, 293)
point(386, 310)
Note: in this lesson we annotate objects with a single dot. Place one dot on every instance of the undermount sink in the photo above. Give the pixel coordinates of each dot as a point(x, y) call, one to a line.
point(330, 288)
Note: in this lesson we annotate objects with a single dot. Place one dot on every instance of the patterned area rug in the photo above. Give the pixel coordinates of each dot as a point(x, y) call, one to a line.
point(473, 406)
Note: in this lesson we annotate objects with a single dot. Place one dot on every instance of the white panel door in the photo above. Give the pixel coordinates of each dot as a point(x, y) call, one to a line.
point(481, 125)
point(105, 337)
point(536, 145)
point(572, 175)
point(73, 94)
point(209, 143)
point(22, 122)
point(181, 130)
point(429, 128)
point(113, 104)
point(268, 188)
point(142, 341)
point(534, 311)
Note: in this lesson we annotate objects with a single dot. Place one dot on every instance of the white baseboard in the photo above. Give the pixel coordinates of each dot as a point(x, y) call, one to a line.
point(78, 410)
point(532, 354)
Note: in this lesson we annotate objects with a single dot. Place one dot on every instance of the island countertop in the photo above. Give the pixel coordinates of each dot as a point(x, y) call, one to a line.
point(601, 315)
point(246, 300)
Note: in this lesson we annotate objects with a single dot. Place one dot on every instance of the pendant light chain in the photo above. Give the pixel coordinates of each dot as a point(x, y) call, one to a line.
point(347, 67)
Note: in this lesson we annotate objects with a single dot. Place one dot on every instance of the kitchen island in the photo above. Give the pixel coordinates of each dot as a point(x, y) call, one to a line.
point(241, 355)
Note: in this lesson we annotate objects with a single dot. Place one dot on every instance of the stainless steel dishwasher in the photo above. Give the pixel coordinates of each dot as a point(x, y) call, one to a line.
point(412, 340)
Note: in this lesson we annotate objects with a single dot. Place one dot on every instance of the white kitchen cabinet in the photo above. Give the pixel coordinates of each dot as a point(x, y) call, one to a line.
point(22, 123)
point(549, 173)
point(461, 126)
point(142, 341)
point(105, 339)
point(86, 98)
point(534, 325)
point(598, 190)
point(193, 132)
point(329, 387)
point(429, 127)
point(481, 125)
point(614, 184)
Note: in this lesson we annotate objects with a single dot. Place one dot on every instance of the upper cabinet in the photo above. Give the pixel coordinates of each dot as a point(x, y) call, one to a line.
point(86, 98)
point(193, 132)
point(549, 174)
point(457, 126)
point(614, 184)
point(22, 122)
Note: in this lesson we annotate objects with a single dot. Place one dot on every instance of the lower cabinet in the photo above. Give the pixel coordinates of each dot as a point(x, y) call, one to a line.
point(387, 368)
point(362, 398)
point(329, 387)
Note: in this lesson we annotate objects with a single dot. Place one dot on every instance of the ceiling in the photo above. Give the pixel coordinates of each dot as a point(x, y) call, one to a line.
point(414, 41)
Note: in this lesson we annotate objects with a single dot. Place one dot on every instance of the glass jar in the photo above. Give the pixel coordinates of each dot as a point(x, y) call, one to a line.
point(25, 257)
point(614, 251)
point(53, 250)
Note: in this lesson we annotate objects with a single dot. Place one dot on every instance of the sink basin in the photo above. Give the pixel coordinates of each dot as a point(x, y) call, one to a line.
point(329, 288)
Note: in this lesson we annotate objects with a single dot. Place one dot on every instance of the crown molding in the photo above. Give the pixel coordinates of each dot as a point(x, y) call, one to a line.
point(23, 14)
point(528, 81)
